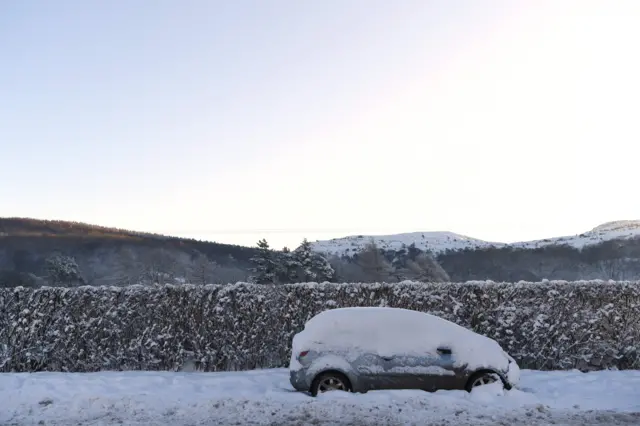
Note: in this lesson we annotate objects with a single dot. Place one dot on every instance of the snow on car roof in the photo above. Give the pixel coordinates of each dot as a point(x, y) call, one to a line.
point(354, 315)
point(387, 331)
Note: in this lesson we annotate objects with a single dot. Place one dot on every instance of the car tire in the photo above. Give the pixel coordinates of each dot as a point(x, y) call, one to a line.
point(482, 378)
point(331, 380)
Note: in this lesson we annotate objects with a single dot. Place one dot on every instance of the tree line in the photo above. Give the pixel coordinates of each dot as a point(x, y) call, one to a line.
point(287, 267)
point(371, 264)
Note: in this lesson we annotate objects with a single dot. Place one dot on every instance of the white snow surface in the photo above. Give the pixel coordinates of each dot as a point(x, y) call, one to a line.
point(437, 242)
point(388, 331)
point(425, 241)
point(265, 397)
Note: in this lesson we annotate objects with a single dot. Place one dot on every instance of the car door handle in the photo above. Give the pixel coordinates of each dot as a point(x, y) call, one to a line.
point(387, 358)
point(444, 351)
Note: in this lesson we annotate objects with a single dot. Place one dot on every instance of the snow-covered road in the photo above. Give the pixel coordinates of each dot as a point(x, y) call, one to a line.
point(265, 397)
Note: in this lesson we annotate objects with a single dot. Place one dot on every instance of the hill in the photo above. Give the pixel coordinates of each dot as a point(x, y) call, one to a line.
point(610, 251)
point(440, 242)
point(40, 252)
point(434, 242)
point(97, 255)
point(617, 230)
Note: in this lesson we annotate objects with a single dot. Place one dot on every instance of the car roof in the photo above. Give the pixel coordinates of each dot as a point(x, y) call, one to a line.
point(353, 317)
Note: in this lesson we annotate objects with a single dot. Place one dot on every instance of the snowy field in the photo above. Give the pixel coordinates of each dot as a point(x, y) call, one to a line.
point(265, 397)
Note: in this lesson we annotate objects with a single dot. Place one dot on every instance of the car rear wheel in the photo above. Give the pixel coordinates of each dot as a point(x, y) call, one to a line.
point(331, 381)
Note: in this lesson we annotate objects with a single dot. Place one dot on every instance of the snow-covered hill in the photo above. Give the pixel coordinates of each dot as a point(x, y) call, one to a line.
point(437, 242)
point(427, 241)
point(622, 229)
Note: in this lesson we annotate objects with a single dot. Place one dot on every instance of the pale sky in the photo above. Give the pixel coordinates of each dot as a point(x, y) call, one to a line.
point(237, 120)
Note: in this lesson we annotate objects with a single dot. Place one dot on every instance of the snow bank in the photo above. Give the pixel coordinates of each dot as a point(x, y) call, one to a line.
point(266, 398)
point(548, 325)
point(392, 331)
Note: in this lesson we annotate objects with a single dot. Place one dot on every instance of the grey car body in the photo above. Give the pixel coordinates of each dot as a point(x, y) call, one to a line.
point(318, 357)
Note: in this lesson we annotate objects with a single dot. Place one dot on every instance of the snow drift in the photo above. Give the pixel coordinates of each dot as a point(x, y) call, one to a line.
point(266, 398)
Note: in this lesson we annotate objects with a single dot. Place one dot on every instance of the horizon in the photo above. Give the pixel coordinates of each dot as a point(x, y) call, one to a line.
point(296, 244)
point(235, 122)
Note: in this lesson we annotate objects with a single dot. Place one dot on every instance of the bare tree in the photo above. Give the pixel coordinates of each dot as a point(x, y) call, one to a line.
point(229, 274)
point(160, 267)
point(427, 269)
point(129, 269)
point(619, 269)
point(374, 264)
point(346, 271)
point(202, 270)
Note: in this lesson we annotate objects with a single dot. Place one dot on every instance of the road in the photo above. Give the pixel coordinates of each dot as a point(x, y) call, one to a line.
point(264, 397)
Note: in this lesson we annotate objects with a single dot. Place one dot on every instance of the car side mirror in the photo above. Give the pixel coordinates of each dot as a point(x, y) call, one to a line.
point(444, 351)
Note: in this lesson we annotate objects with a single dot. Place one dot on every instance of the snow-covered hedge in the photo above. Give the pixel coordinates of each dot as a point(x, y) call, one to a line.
point(549, 325)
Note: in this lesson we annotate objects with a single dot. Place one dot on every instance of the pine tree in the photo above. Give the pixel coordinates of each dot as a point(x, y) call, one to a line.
point(325, 271)
point(306, 262)
point(63, 271)
point(413, 251)
point(290, 266)
point(265, 271)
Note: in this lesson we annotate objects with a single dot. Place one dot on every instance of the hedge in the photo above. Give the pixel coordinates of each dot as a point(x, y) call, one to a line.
point(547, 325)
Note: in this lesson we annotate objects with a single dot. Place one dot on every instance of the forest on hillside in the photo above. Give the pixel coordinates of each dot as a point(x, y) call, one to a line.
point(36, 253)
point(616, 260)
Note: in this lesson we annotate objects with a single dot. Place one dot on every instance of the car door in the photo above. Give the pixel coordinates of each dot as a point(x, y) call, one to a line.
point(370, 370)
point(405, 363)
point(405, 371)
point(428, 371)
point(409, 357)
point(439, 371)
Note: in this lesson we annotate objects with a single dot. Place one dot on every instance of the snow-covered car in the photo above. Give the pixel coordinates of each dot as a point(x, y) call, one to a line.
point(362, 349)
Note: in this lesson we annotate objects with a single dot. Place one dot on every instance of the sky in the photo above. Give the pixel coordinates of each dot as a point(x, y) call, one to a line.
point(235, 121)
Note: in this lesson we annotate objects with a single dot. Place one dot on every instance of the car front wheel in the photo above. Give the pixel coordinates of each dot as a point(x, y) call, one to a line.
point(481, 379)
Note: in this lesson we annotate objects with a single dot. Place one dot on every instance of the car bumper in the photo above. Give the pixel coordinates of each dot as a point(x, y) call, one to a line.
point(298, 380)
point(512, 375)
